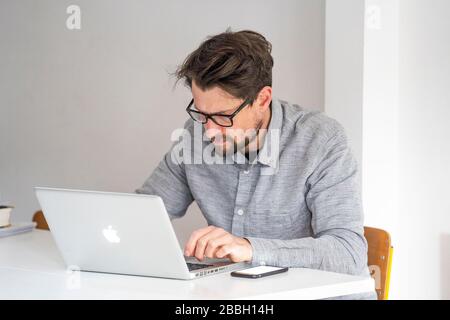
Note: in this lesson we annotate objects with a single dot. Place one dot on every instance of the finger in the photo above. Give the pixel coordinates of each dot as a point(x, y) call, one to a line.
point(224, 251)
point(216, 243)
point(202, 243)
point(197, 234)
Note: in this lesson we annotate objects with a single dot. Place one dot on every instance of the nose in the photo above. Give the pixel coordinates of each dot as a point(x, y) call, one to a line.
point(212, 129)
point(210, 125)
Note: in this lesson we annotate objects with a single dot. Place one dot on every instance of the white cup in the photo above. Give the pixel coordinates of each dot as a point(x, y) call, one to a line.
point(5, 214)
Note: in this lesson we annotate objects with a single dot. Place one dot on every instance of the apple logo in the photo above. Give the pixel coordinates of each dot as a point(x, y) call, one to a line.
point(111, 235)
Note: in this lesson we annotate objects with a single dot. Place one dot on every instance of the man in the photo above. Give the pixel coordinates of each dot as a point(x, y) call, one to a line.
point(287, 194)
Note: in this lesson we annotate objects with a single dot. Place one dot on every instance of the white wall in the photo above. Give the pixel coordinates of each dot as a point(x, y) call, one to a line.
point(94, 108)
point(404, 128)
point(424, 150)
point(380, 113)
point(380, 123)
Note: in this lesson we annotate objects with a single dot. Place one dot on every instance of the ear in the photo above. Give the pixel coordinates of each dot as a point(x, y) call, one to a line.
point(263, 99)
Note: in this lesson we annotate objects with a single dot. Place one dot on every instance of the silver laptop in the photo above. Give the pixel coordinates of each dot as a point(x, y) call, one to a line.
point(120, 233)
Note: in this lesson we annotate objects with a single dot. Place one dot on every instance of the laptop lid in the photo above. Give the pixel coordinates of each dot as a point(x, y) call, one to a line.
point(113, 232)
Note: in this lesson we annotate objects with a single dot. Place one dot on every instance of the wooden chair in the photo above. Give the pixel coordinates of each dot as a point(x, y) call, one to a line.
point(39, 218)
point(380, 253)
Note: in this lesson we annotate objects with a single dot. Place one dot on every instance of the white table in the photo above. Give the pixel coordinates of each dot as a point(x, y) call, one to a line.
point(32, 268)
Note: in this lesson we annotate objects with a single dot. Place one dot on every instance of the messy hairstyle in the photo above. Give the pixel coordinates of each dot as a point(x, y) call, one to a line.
point(239, 63)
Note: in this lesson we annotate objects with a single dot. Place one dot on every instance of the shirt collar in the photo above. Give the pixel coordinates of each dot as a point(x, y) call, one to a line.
point(269, 153)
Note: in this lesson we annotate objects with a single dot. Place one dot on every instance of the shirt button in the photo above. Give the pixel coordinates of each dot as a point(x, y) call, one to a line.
point(240, 212)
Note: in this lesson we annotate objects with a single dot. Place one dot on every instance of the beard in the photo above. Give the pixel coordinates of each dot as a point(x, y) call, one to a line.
point(229, 144)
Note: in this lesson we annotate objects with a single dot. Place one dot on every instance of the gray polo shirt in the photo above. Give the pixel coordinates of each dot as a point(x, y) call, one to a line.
point(298, 203)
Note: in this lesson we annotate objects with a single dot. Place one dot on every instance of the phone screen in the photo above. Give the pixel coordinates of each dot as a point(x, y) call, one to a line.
point(258, 270)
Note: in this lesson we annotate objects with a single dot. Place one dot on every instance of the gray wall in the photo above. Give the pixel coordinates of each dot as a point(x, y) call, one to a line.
point(94, 108)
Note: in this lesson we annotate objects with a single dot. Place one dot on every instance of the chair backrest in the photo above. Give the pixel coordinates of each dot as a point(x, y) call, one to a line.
point(380, 253)
point(39, 218)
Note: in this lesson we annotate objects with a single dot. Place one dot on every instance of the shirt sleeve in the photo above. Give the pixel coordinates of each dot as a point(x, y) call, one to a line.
point(169, 182)
point(333, 197)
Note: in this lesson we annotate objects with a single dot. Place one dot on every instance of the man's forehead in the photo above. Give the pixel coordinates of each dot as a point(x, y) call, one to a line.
point(213, 100)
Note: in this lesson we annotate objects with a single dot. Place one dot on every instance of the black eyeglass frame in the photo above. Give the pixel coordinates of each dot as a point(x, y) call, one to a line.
point(210, 116)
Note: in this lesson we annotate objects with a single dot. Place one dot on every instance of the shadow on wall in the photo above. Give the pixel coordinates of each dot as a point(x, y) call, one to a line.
point(445, 266)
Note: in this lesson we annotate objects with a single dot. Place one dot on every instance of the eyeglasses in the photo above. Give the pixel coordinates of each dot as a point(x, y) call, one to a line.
point(223, 120)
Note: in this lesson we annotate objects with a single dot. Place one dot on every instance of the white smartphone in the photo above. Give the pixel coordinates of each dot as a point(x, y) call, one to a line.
point(258, 272)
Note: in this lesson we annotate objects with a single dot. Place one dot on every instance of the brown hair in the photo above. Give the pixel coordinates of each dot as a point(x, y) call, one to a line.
point(239, 63)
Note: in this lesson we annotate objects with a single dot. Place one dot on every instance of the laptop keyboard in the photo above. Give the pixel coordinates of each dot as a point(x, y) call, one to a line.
point(196, 266)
